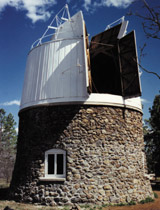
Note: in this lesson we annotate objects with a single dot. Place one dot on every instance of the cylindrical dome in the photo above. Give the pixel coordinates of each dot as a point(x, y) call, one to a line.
point(57, 71)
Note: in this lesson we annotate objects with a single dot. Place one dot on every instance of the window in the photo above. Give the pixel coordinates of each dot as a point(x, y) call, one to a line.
point(55, 163)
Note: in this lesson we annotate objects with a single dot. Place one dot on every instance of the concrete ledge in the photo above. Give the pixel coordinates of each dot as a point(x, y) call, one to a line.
point(92, 99)
point(46, 179)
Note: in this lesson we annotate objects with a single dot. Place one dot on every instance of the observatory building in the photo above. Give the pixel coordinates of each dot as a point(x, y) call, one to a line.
point(80, 130)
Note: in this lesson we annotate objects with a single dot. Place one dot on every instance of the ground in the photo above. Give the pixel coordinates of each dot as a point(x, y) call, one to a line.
point(148, 206)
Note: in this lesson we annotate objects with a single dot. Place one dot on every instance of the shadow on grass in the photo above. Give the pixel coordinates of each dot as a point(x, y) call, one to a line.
point(4, 192)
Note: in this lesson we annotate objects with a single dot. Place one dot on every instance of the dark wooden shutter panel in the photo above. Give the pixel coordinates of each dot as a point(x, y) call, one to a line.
point(104, 62)
point(129, 66)
point(104, 41)
point(109, 36)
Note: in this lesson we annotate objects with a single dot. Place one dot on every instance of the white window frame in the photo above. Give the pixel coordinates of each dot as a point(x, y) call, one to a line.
point(55, 176)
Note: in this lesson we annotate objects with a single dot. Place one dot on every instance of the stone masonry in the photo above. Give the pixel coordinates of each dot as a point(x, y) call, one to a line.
point(105, 155)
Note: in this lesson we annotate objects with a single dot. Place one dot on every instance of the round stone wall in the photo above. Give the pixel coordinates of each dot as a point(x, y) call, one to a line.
point(105, 161)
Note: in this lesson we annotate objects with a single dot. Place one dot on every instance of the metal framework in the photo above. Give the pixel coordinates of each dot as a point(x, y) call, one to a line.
point(120, 20)
point(62, 16)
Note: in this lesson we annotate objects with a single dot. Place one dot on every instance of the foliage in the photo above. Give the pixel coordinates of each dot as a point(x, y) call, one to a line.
point(105, 205)
point(126, 204)
point(147, 200)
point(8, 138)
point(152, 138)
point(155, 195)
point(155, 114)
point(132, 203)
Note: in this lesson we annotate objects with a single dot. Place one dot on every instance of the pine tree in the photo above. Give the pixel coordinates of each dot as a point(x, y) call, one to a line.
point(155, 114)
point(8, 138)
point(152, 138)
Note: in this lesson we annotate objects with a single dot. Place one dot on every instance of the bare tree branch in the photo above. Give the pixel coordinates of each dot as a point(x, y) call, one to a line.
point(151, 28)
point(151, 20)
point(149, 9)
point(142, 54)
point(150, 72)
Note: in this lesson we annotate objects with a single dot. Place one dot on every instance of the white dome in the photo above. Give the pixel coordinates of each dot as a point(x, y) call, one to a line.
point(57, 71)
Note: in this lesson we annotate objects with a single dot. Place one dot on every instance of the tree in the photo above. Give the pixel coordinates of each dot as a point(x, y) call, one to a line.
point(152, 137)
point(8, 138)
point(151, 27)
point(150, 17)
point(151, 20)
point(155, 114)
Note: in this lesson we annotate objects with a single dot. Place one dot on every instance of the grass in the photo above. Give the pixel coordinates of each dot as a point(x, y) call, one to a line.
point(22, 206)
point(3, 183)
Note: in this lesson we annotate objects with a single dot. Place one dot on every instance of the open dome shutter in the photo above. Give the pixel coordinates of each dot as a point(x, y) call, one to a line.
point(104, 62)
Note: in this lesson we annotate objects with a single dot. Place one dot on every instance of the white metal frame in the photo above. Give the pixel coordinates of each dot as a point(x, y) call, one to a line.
point(62, 16)
point(55, 152)
point(123, 29)
point(115, 22)
point(85, 55)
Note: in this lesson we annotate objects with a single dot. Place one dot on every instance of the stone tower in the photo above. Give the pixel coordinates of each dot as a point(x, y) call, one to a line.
point(80, 131)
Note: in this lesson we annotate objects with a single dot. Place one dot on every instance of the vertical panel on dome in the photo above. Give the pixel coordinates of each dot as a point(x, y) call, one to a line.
point(87, 59)
point(129, 66)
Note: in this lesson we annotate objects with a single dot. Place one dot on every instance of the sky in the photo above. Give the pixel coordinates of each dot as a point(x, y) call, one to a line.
point(24, 21)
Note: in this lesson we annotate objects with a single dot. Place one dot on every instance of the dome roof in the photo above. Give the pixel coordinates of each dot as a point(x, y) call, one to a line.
point(58, 71)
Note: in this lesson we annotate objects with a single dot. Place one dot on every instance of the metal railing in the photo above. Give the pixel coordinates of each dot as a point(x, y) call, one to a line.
point(117, 21)
point(62, 16)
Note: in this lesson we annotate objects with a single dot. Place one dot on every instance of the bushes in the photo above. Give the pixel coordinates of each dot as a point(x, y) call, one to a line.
point(147, 200)
point(132, 203)
point(155, 195)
